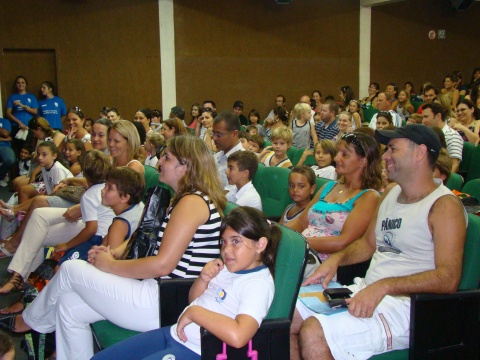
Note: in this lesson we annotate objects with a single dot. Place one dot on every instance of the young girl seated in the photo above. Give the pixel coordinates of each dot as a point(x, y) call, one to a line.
point(254, 118)
point(222, 300)
point(384, 118)
point(301, 186)
point(74, 149)
point(325, 152)
point(276, 155)
point(154, 143)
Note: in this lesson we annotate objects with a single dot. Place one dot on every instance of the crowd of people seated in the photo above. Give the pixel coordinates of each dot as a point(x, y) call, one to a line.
point(381, 154)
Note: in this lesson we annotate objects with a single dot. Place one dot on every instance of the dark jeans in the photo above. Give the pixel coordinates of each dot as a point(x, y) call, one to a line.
point(7, 158)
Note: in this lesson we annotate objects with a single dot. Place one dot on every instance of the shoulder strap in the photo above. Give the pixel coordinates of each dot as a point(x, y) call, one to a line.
point(326, 190)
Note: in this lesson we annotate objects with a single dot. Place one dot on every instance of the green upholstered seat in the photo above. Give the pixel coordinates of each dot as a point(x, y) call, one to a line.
point(474, 164)
point(309, 161)
point(467, 152)
point(416, 104)
point(291, 153)
point(455, 182)
point(472, 188)
point(368, 114)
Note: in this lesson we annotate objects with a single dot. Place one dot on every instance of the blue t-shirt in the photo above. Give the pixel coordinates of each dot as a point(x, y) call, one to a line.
point(52, 110)
point(20, 113)
point(5, 124)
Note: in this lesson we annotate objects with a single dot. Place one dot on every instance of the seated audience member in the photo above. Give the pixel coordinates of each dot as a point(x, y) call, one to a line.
point(416, 211)
point(344, 123)
point(254, 118)
point(327, 129)
point(301, 186)
point(467, 123)
point(371, 99)
point(205, 127)
point(446, 103)
point(384, 119)
point(324, 152)
point(410, 88)
point(75, 121)
point(251, 130)
point(276, 155)
point(255, 144)
point(74, 150)
point(355, 109)
point(226, 128)
point(144, 117)
point(392, 89)
point(153, 145)
point(238, 110)
point(280, 119)
point(243, 137)
point(415, 119)
point(303, 130)
point(173, 127)
point(384, 104)
point(241, 168)
point(113, 115)
point(279, 102)
point(404, 108)
point(7, 156)
point(236, 317)
point(434, 114)
point(429, 93)
point(177, 112)
point(25, 159)
point(317, 98)
point(443, 166)
point(62, 234)
point(88, 124)
point(195, 111)
point(108, 287)
point(450, 90)
point(141, 154)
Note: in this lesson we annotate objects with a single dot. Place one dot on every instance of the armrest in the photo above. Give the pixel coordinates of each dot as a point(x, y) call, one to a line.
point(173, 299)
point(272, 341)
point(445, 325)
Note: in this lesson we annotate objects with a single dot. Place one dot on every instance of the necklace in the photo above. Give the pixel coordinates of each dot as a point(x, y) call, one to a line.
point(348, 189)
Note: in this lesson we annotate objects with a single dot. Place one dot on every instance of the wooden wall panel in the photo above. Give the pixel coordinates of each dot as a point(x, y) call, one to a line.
point(107, 51)
point(402, 51)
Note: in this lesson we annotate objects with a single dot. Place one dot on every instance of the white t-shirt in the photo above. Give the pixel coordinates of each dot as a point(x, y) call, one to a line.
point(328, 172)
point(54, 175)
point(93, 210)
point(246, 196)
point(230, 294)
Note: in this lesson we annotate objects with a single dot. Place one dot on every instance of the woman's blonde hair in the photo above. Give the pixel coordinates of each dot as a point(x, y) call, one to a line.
point(446, 103)
point(407, 101)
point(38, 122)
point(130, 133)
point(201, 174)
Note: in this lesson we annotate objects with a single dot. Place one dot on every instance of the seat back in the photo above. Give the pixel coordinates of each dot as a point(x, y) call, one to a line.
point(472, 188)
point(309, 161)
point(289, 268)
point(416, 104)
point(455, 182)
point(473, 167)
point(151, 180)
point(467, 152)
point(320, 182)
point(291, 153)
point(368, 113)
point(471, 266)
point(272, 186)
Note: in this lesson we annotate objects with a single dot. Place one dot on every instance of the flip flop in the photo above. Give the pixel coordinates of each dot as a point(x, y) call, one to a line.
point(4, 253)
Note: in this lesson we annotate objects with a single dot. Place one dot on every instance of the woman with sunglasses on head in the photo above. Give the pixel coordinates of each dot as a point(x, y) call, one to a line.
point(466, 124)
point(341, 211)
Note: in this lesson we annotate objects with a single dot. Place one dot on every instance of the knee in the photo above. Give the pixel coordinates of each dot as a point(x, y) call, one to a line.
point(39, 201)
point(310, 327)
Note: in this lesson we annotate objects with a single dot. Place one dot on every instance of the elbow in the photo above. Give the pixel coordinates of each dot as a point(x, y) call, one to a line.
point(238, 341)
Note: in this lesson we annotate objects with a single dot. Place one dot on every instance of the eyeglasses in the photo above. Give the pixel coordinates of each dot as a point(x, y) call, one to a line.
point(352, 138)
point(219, 134)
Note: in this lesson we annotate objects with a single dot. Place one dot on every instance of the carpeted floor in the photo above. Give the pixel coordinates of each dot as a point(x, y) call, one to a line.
point(6, 300)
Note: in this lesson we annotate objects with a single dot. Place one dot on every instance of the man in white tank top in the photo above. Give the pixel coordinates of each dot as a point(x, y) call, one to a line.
point(416, 239)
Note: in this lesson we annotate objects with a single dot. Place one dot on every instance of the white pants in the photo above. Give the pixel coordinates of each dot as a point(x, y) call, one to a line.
point(46, 227)
point(79, 294)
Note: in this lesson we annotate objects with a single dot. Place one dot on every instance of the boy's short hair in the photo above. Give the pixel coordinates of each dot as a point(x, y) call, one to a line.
point(252, 127)
point(300, 108)
point(282, 133)
point(95, 166)
point(128, 182)
point(242, 135)
point(444, 164)
point(28, 147)
point(329, 147)
point(416, 118)
point(258, 139)
point(246, 160)
point(155, 139)
point(306, 171)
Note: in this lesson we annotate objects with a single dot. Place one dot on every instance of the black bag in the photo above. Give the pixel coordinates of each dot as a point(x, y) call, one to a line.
point(143, 242)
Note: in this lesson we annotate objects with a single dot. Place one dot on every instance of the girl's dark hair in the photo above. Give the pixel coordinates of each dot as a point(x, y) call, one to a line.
point(253, 224)
point(386, 115)
point(141, 131)
point(282, 114)
point(210, 110)
point(77, 111)
point(349, 95)
point(470, 105)
point(148, 114)
point(411, 84)
point(26, 81)
point(254, 112)
point(79, 146)
point(54, 149)
point(50, 85)
point(375, 85)
point(158, 113)
point(471, 79)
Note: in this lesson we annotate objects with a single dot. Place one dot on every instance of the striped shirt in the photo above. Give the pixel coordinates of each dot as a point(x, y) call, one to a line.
point(454, 142)
point(326, 132)
point(203, 247)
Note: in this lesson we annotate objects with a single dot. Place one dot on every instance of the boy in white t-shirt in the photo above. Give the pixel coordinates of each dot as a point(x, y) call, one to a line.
point(241, 167)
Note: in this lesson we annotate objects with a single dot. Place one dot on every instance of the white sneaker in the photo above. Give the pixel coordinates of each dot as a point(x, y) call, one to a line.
point(4, 181)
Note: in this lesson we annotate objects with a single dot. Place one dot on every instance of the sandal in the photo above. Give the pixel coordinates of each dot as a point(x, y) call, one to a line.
point(8, 323)
point(17, 283)
point(13, 309)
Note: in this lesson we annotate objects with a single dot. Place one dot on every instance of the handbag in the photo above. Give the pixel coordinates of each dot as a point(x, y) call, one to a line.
point(143, 241)
point(313, 262)
point(71, 193)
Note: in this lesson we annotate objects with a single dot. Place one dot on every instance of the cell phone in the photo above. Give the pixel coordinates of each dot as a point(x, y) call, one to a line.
point(336, 296)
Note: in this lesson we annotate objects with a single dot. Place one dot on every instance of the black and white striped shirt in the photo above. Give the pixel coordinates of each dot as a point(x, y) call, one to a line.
point(203, 247)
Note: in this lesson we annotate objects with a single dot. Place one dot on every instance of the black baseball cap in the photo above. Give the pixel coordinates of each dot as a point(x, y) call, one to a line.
point(419, 134)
